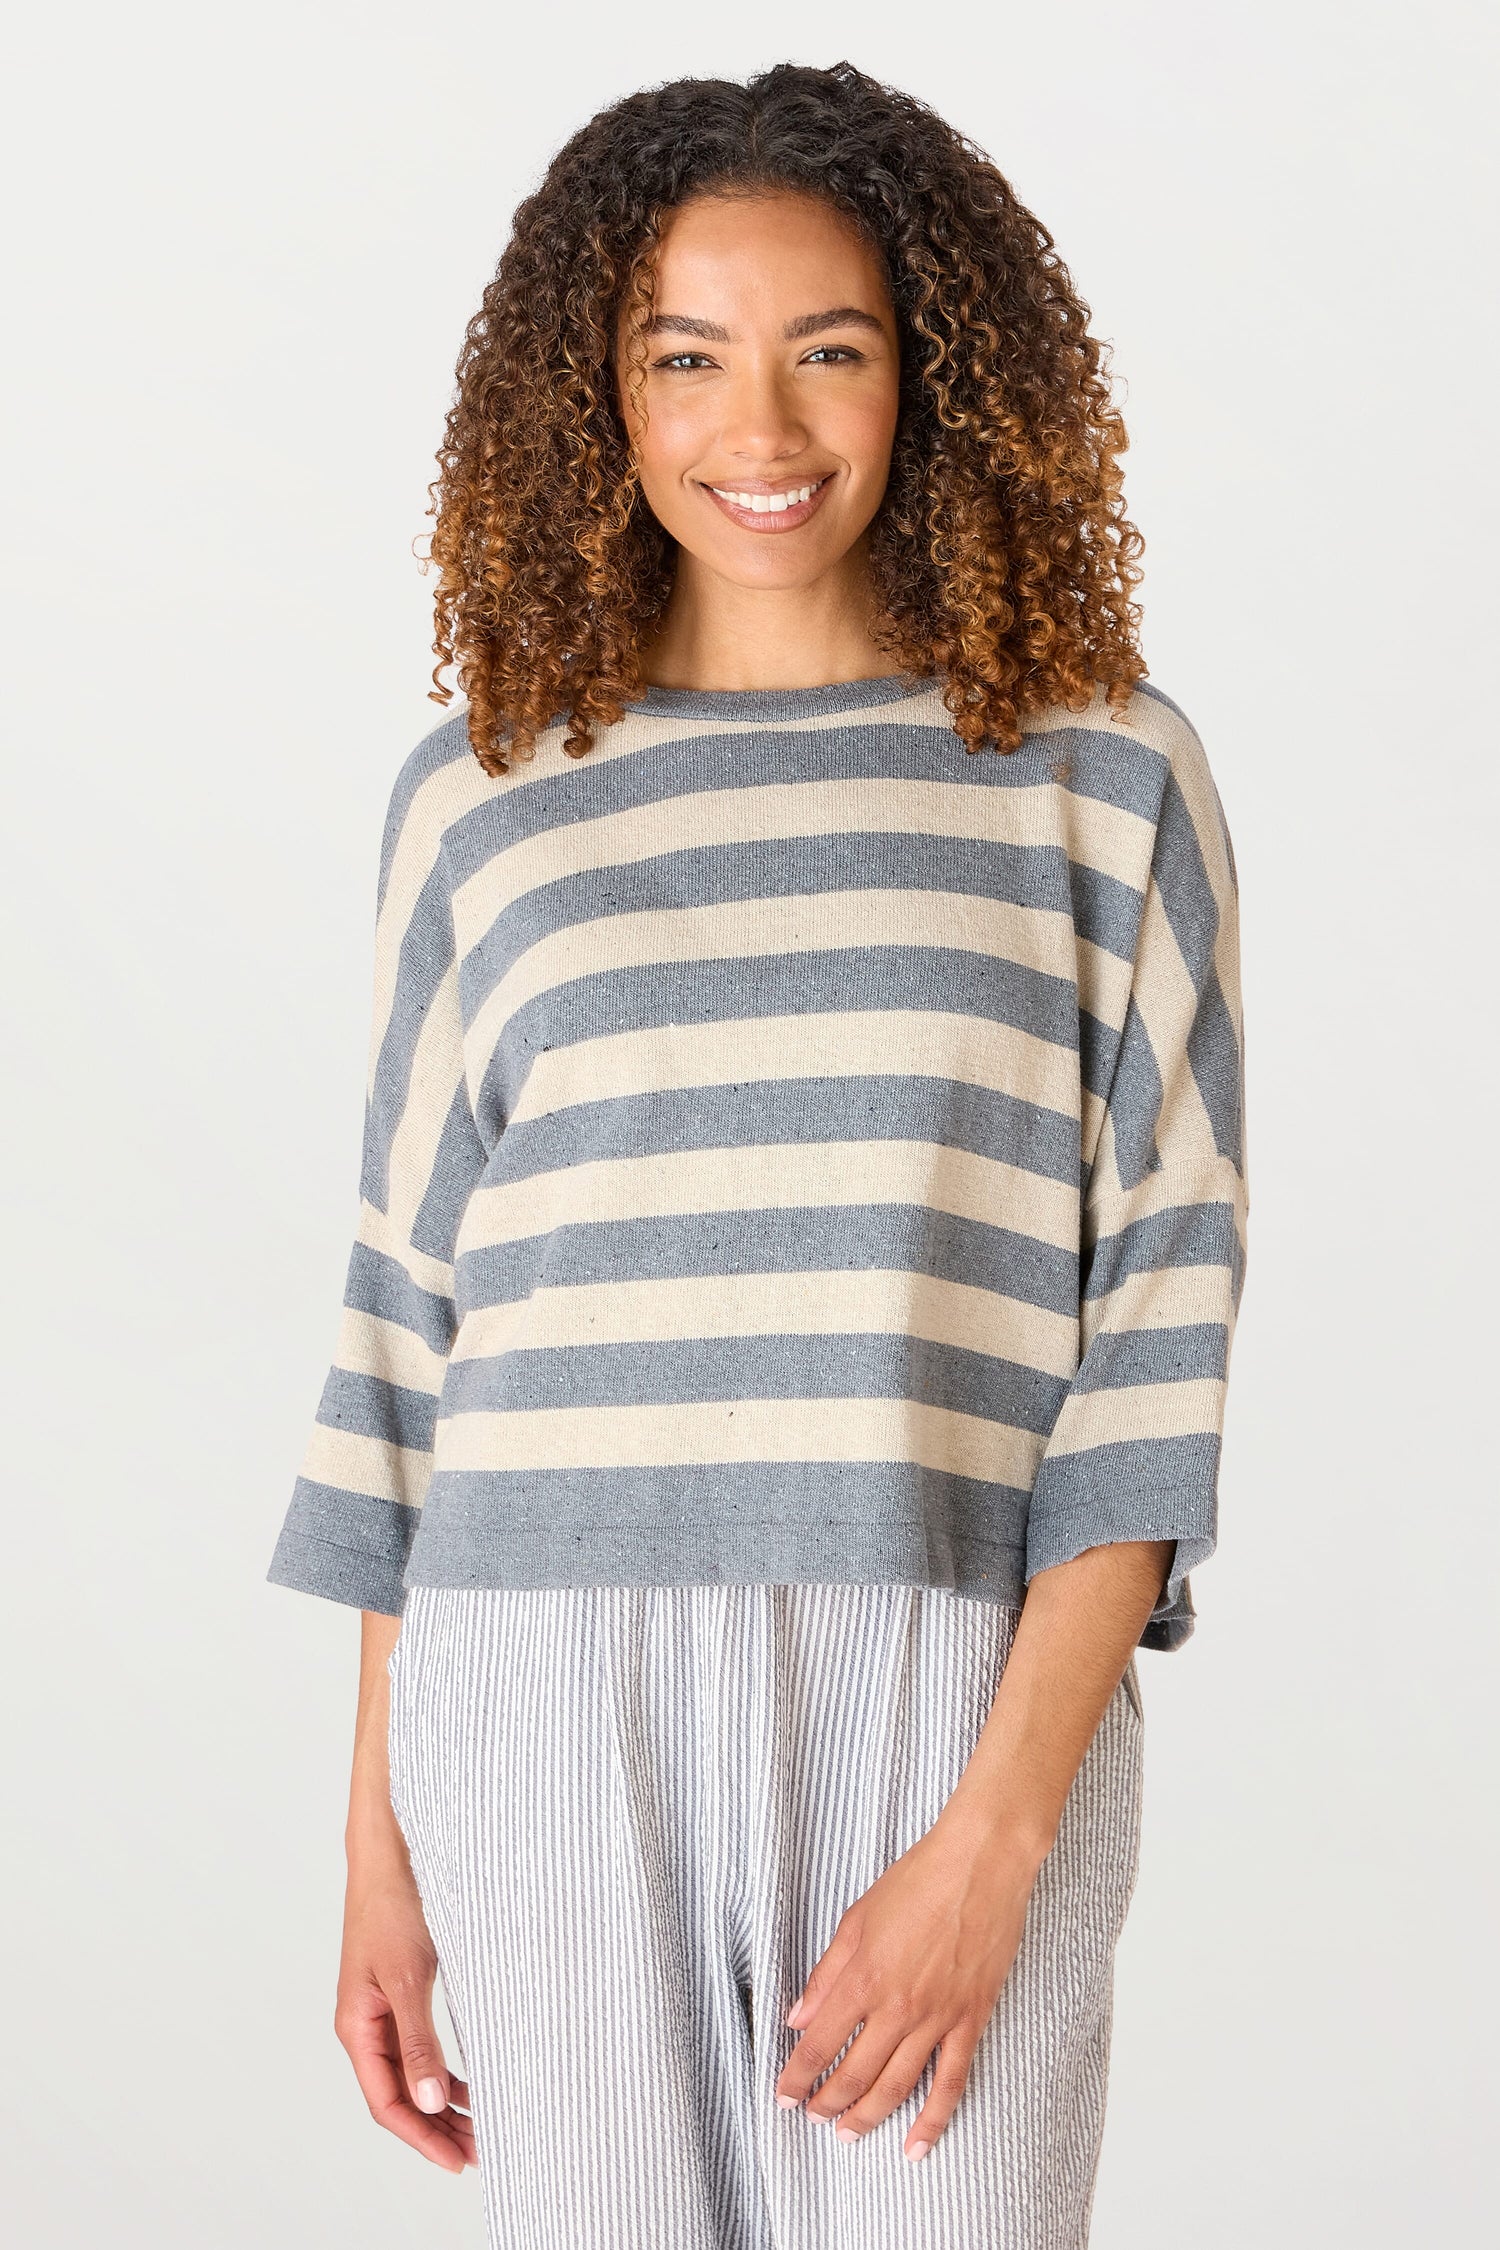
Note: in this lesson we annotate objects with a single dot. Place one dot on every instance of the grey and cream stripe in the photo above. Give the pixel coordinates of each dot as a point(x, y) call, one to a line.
point(636, 1814)
point(795, 1150)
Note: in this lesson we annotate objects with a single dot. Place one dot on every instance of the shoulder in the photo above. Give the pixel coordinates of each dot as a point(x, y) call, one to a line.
point(1160, 718)
point(436, 783)
point(1127, 755)
point(1191, 808)
point(1149, 731)
point(1154, 720)
point(442, 757)
point(1145, 757)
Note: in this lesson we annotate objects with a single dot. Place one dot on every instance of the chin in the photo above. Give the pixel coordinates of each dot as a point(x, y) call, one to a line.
point(775, 572)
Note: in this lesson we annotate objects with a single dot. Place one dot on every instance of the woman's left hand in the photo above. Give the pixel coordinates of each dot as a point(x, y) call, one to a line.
point(919, 1960)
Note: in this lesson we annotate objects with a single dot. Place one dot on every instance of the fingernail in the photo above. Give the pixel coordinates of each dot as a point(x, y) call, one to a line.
point(786, 2101)
point(819, 2118)
point(430, 2096)
point(847, 2133)
point(918, 2150)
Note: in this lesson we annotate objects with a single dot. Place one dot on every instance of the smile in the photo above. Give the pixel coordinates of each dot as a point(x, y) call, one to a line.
point(779, 510)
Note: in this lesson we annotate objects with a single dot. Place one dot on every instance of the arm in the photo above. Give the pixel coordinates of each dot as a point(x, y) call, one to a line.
point(354, 1509)
point(1080, 1625)
point(383, 2016)
point(1134, 1452)
point(1125, 1499)
point(921, 1957)
point(364, 1475)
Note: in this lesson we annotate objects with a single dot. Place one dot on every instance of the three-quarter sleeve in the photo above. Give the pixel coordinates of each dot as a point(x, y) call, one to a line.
point(1135, 1450)
point(354, 1506)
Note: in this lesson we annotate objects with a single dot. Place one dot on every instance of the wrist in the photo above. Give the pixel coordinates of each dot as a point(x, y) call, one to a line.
point(375, 1866)
point(1014, 1839)
point(372, 1833)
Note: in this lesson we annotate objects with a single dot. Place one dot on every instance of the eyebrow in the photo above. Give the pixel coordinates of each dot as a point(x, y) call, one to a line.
point(806, 324)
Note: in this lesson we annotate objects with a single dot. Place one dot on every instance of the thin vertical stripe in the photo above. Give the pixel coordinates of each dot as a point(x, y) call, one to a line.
point(635, 1816)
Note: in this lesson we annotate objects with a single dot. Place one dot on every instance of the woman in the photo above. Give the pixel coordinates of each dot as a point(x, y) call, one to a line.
point(782, 1367)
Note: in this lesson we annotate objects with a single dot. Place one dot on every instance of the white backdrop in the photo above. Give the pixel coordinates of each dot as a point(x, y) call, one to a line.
point(245, 245)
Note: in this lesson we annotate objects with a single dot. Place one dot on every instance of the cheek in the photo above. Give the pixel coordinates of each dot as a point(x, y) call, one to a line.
point(673, 440)
point(861, 429)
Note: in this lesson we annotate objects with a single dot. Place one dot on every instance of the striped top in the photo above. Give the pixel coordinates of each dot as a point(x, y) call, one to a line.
point(795, 1148)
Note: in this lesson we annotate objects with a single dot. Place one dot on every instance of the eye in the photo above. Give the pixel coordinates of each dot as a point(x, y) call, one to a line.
point(841, 351)
point(675, 360)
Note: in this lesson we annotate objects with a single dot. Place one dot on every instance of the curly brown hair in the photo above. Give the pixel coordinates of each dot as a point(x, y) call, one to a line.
point(1001, 555)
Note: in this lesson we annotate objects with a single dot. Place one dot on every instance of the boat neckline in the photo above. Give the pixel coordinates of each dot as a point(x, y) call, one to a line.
point(780, 703)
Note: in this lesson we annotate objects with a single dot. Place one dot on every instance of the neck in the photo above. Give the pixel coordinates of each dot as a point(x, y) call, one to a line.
point(718, 635)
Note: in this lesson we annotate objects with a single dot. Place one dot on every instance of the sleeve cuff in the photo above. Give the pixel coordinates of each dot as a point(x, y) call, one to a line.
point(1109, 1494)
point(346, 1546)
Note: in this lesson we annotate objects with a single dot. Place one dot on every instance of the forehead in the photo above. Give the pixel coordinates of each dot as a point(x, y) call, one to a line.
point(774, 254)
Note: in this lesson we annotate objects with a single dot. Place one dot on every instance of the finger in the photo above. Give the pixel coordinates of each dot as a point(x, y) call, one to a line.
point(371, 2045)
point(447, 2140)
point(826, 1971)
point(949, 2078)
point(459, 2127)
point(462, 2131)
point(410, 1997)
point(829, 2030)
point(866, 2060)
point(858, 2071)
point(909, 2058)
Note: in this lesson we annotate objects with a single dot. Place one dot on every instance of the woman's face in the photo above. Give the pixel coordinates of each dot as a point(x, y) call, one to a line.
point(772, 374)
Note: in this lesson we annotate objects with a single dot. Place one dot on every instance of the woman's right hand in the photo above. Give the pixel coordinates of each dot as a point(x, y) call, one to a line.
point(388, 1965)
point(384, 2018)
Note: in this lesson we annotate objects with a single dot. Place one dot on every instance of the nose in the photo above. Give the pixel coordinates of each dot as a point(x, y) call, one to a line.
point(763, 423)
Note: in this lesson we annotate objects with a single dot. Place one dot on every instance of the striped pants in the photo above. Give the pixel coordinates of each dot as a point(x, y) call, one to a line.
point(635, 1816)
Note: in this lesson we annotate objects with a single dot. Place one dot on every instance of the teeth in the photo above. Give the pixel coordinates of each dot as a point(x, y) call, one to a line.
point(768, 503)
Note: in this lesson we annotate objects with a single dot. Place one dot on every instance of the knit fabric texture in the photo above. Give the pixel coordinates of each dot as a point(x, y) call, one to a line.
point(796, 1148)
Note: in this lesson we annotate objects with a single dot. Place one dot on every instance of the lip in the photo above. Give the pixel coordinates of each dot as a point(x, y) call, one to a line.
point(785, 519)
